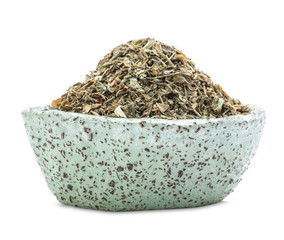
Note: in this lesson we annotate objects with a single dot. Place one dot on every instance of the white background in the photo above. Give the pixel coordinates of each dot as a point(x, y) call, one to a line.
point(46, 46)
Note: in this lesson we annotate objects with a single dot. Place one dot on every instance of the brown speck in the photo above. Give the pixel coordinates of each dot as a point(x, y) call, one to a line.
point(120, 169)
point(169, 171)
point(129, 166)
point(157, 138)
point(70, 187)
point(65, 175)
point(166, 155)
point(90, 136)
point(180, 173)
point(87, 130)
point(111, 183)
point(62, 153)
point(210, 185)
point(197, 130)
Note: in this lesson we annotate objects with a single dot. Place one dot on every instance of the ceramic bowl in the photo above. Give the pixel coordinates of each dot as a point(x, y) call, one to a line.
point(120, 164)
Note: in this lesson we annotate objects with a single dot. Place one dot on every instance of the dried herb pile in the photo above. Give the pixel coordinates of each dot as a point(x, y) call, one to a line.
point(148, 79)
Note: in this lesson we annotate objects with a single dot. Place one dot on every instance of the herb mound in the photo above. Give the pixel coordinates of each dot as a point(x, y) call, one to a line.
point(148, 79)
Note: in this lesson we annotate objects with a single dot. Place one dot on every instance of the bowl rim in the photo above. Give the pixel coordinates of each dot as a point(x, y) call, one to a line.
point(255, 113)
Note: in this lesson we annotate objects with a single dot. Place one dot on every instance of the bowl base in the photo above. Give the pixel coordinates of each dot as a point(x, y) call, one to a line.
point(110, 208)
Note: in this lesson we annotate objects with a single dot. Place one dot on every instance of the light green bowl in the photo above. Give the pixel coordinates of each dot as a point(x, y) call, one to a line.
point(120, 164)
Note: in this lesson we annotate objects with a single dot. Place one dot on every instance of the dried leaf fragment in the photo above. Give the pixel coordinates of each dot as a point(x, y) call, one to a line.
point(134, 83)
point(220, 105)
point(118, 112)
point(86, 108)
point(178, 79)
point(194, 105)
point(159, 48)
point(155, 71)
point(162, 107)
point(56, 102)
point(129, 109)
point(179, 57)
point(222, 91)
point(96, 105)
point(66, 104)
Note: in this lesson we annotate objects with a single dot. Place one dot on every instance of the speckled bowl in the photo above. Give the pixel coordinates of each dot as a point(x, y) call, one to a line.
point(120, 164)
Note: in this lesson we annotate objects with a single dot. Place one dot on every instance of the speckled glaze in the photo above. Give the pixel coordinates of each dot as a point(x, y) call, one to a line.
point(119, 164)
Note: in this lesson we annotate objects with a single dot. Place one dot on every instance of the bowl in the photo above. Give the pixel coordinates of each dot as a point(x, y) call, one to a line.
point(120, 164)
